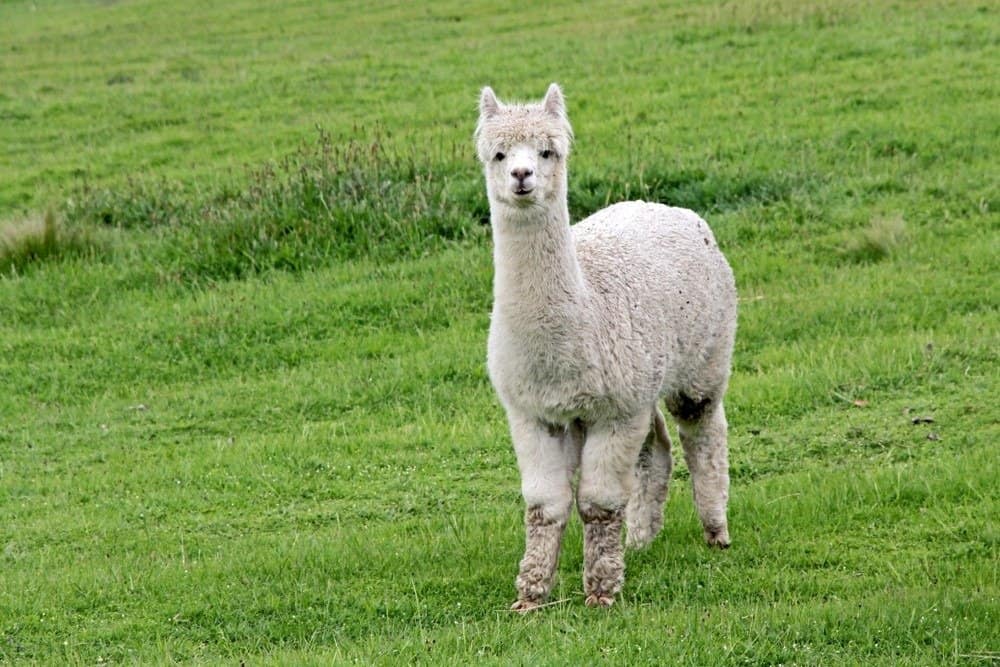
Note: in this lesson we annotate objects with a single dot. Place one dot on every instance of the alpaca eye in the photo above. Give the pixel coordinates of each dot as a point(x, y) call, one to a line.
point(499, 157)
point(546, 154)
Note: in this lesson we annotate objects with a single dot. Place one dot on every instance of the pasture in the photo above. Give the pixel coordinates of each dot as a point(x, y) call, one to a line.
point(245, 284)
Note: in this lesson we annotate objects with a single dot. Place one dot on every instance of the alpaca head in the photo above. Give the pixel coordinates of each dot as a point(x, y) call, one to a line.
point(523, 148)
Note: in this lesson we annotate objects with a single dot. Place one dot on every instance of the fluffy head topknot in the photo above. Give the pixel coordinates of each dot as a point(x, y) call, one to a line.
point(543, 124)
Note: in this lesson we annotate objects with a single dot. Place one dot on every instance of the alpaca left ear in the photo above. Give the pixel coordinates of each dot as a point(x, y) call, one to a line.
point(553, 102)
point(489, 105)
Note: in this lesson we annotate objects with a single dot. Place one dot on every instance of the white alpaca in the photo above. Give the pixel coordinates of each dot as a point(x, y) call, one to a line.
point(592, 325)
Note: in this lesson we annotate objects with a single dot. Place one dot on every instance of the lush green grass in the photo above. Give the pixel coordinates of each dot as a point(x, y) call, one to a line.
point(244, 412)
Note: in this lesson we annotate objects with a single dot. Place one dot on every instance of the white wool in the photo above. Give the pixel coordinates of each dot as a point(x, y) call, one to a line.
point(592, 326)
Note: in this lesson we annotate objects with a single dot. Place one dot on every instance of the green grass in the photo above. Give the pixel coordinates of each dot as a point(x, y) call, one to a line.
point(244, 414)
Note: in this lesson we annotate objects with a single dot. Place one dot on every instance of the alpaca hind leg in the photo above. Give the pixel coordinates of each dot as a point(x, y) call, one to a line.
point(706, 454)
point(607, 474)
point(547, 457)
point(644, 512)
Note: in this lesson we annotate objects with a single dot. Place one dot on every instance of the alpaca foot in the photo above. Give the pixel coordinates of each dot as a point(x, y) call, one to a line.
point(541, 554)
point(603, 563)
point(602, 601)
point(525, 606)
point(717, 537)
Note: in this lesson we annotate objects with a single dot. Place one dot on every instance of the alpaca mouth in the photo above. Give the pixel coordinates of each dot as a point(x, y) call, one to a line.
point(520, 192)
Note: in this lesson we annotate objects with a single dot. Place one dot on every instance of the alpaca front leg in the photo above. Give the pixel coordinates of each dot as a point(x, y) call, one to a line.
point(607, 472)
point(547, 458)
point(706, 453)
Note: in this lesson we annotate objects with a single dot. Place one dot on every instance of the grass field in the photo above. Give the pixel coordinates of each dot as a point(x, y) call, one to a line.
point(244, 415)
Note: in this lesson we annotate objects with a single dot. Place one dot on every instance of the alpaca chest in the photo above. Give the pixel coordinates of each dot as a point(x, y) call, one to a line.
point(553, 375)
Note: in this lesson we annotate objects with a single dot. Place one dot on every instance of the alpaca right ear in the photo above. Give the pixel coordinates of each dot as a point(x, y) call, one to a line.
point(489, 105)
point(554, 102)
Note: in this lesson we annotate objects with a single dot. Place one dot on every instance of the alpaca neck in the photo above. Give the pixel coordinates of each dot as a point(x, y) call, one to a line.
point(537, 273)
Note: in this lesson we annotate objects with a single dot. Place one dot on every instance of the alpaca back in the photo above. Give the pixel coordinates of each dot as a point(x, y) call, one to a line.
point(662, 293)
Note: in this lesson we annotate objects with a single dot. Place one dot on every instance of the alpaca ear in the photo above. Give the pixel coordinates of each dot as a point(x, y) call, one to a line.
point(553, 102)
point(489, 106)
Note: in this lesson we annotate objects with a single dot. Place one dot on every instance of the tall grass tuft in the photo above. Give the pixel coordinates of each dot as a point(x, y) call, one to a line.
point(698, 189)
point(322, 203)
point(36, 239)
point(878, 241)
point(331, 201)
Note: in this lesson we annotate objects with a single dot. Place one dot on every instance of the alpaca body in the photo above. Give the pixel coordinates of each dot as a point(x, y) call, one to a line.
point(592, 326)
point(649, 317)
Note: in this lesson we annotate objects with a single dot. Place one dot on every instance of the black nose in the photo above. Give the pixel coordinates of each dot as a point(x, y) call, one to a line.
point(521, 173)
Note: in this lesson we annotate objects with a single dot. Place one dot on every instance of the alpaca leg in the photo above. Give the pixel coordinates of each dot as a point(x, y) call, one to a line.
point(607, 471)
point(547, 457)
point(706, 453)
point(644, 512)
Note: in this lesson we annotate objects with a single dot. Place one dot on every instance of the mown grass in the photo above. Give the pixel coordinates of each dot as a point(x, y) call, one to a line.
point(248, 418)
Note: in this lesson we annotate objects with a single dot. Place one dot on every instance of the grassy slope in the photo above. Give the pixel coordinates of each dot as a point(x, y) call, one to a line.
point(312, 467)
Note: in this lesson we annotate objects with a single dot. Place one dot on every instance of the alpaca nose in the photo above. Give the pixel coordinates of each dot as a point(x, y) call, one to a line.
point(521, 173)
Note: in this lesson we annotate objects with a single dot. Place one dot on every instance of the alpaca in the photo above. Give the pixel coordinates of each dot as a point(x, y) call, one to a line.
point(593, 325)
